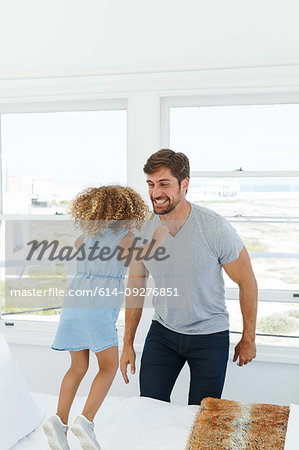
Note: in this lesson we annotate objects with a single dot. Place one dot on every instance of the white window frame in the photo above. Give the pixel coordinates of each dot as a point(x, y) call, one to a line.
point(148, 98)
point(143, 135)
point(18, 328)
point(265, 295)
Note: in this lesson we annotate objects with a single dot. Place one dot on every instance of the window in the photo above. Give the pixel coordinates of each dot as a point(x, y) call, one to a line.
point(47, 158)
point(245, 165)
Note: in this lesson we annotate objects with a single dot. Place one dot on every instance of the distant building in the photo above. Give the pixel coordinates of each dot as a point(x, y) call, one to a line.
point(42, 192)
point(215, 189)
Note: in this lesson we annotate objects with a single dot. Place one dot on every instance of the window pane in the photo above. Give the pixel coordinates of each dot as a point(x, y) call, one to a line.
point(274, 251)
point(276, 319)
point(40, 263)
point(49, 157)
point(253, 137)
point(250, 196)
point(264, 237)
point(274, 273)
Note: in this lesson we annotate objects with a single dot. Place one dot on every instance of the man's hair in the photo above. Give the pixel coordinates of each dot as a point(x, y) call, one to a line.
point(177, 162)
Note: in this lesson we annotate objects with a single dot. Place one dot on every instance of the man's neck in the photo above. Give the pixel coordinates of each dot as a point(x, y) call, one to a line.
point(175, 219)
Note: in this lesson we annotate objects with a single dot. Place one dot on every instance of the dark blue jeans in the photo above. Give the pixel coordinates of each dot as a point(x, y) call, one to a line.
point(165, 353)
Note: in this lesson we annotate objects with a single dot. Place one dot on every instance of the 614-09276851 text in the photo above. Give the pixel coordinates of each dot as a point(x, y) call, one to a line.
point(140, 291)
point(107, 292)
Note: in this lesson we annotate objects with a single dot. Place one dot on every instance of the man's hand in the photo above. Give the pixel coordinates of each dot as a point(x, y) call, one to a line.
point(128, 356)
point(245, 350)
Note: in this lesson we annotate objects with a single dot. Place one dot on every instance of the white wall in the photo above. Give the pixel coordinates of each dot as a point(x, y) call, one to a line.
point(260, 381)
point(271, 378)
point(69, 37)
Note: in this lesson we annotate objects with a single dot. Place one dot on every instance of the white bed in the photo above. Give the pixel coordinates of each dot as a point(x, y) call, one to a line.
point(131, 423)
point(122, 423)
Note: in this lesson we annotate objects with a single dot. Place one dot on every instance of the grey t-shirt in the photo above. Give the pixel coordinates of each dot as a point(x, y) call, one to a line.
point(189, 281)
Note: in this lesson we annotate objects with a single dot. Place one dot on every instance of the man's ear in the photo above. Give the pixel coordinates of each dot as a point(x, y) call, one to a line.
point(185, 183)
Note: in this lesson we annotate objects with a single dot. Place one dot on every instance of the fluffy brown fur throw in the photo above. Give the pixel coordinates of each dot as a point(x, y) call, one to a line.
point(224, 424)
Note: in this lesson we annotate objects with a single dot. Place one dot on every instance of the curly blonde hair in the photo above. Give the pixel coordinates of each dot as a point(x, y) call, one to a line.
point(96, 209)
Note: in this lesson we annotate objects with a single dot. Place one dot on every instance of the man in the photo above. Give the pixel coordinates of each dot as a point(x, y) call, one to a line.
point(195, 329)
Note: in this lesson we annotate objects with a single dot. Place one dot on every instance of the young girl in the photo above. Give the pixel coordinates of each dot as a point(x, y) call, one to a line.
point(108, 216)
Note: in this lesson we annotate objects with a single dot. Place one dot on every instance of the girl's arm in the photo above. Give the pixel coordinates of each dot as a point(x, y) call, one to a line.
point(157, 240)
point(79, 241)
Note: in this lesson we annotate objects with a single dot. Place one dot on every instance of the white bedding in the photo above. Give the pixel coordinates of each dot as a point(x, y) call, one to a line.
point(292, 436)
point(132, 423)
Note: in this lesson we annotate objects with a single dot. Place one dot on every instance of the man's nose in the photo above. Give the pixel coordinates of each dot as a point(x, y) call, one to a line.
point(156, 192)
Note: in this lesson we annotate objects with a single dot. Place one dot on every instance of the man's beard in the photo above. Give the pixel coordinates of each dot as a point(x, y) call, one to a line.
point(171, 206)
point(167, 210)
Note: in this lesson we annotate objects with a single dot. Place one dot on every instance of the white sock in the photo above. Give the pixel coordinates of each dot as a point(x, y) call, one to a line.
point(81, 415)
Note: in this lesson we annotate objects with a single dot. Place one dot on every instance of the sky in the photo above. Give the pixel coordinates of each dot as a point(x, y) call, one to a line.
point(86, 147)
point(254, 137)
point(89, 147)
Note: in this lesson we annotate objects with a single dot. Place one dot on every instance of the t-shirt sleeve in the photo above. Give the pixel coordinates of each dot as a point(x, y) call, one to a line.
point(228, 244)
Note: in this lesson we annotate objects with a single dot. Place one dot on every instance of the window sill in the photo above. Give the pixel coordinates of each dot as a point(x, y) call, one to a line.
point(25, 332)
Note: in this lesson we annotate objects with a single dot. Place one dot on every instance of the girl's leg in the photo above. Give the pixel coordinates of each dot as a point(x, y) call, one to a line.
point(71, 382)
point(108, 365)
